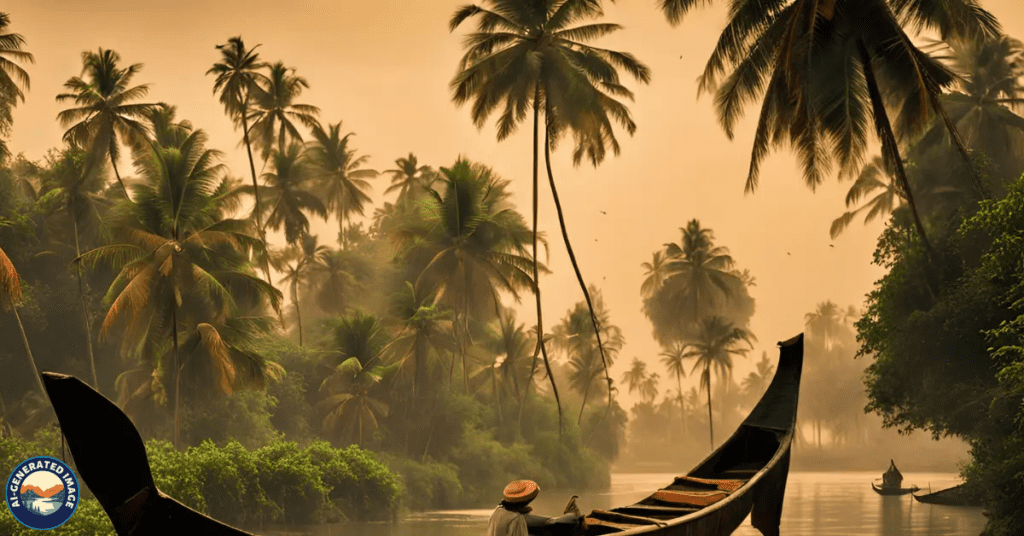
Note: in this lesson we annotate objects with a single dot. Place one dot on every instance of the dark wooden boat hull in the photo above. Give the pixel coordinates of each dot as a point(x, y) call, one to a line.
point(893, 491)
point(757, 454)
point(111, 459)
point(953, 496)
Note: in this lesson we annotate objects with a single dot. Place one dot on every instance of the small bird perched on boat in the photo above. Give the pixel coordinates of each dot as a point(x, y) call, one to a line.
point(572, 507)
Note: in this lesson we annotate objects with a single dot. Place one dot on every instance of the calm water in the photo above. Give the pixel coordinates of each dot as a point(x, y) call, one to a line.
point(817, 504)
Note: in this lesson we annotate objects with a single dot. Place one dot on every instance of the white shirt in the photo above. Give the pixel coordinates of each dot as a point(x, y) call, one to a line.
point(506, 523)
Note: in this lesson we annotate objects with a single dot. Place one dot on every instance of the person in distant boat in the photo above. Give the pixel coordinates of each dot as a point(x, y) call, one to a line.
point(892, 478)
point(509, 518)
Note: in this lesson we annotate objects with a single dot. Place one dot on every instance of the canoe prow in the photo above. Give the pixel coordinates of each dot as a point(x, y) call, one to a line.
point(111, 459)
point(746, 475)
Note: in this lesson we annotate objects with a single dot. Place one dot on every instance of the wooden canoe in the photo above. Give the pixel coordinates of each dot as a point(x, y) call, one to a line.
point(953, 496)
point(746, 475)
point(111, 459)
point(893, 491)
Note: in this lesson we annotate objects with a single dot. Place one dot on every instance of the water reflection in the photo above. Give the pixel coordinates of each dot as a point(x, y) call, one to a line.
point(893, 519)
point(817, 504)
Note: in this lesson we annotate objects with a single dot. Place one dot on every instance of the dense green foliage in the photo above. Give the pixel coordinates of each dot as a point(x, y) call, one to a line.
point(280, 482)
point(950, 361)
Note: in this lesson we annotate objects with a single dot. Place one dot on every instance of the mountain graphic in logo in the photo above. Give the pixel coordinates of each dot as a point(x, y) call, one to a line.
point(46, 494)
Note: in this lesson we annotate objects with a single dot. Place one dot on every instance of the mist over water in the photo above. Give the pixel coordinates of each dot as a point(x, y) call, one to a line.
point(817, 504)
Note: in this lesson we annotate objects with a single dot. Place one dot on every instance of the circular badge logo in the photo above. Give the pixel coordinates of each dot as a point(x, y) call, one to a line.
point(42, 493)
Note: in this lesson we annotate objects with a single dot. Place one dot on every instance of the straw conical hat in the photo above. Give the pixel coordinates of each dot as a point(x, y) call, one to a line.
point(521, 491)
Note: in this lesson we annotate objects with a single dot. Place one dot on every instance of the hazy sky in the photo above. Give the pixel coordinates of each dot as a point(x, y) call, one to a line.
point(383, 68)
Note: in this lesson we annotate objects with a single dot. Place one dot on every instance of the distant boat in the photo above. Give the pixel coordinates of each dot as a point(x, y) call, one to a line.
point(893, 491)
point(953, 496)
point(746, 475)
point(111, 459)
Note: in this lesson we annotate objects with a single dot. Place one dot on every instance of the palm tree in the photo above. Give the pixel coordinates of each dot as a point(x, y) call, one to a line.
point(823, 67)
point(871, 178)
point(409, 178)
point(701, 273)
point(697, 279)
point(103, 109)
point(274, 112)
point(182, 262)
point(14, 81)
point(423, 326)
point(575, 337)
point(336, 274)
point(213, 364)
point(288, 195)
point(649, 388)
point(81, 203)
point(717, 341)
point(238, 73)
point(636, 375)
point(475, 242)
point(755, 383)
point(673, 358)
point(525, 54)
point(983, 103)
point(10, 297)
point(512, 344)
point(349, 404)
point(297, 259)
point(824, 323)
point(340, 180)
point(655, 274)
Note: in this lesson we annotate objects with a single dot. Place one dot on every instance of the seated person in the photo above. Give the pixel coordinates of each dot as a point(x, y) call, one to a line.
point(512, 516)
point(892, 478)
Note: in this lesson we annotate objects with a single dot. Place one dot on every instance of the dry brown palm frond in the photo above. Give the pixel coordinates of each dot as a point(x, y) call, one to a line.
point(10, 283)
point(220, 357)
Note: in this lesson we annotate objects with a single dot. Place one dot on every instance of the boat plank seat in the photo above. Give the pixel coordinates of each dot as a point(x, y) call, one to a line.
point(620, 517)
point(729, 485)
point(655, 510)
point(689, 498)
point(740, 474)
point(603, 526)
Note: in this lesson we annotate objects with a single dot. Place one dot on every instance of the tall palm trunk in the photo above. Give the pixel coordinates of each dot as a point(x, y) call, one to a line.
point(118, 175)
point(711, 424)
point(575, 266)
point(464, 324)
point(889, 146)
point(255, 193)
point(961, 148)
point(682, 403)
point(419, 362)
point(28, 350)
point(583, 406)
point(497, 400)
point(536, 272)
point(341, 217)
point(85, 303)
point(295, 301)
point(177, 377)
